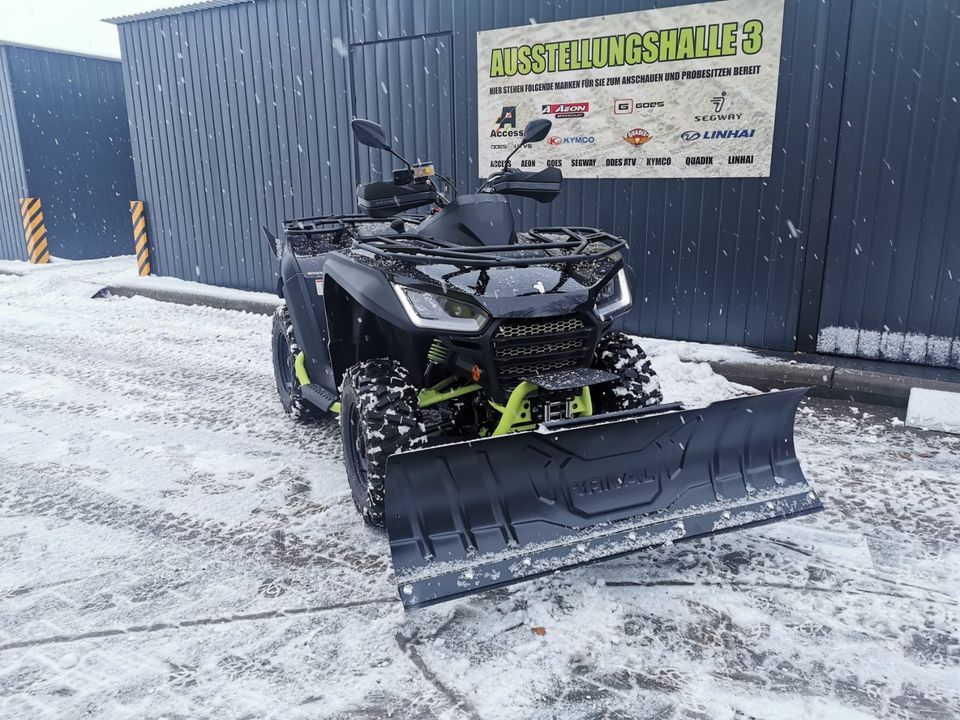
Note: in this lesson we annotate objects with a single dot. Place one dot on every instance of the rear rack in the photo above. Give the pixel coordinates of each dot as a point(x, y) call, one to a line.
point(579, 246)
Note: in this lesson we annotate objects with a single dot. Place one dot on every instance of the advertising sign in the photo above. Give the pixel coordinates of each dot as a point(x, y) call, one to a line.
point(685, 91)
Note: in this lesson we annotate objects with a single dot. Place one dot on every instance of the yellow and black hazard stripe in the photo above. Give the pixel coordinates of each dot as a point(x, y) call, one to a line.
point(31, 210)
point(140, 241)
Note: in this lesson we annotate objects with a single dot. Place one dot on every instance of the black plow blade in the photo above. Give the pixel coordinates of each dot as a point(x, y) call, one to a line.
point(475, 515)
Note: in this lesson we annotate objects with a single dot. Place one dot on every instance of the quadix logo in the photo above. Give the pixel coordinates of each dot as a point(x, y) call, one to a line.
point(565, 110)
point(638, 137)
point(571, 140)
point(690, 135)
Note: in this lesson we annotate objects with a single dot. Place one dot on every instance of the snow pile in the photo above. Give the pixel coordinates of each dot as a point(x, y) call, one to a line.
point(686, 376)
point(934, 410)
point(887, 345)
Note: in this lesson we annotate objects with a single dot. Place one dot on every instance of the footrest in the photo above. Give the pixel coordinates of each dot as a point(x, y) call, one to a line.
point(318, 396)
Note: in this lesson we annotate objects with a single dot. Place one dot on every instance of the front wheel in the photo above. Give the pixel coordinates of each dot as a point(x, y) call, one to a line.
point(379, 416)
point(638, 385)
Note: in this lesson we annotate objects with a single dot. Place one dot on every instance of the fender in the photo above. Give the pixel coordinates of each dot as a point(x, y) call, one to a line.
point(366, 321)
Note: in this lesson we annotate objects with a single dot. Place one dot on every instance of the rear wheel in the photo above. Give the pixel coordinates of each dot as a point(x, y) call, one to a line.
point(285, 351)
point(639, 385)
point(379, 416)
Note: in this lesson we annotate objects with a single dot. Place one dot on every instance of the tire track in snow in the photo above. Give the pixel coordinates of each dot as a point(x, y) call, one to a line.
point(780, 586)
point(61, 498)
point(197, 622)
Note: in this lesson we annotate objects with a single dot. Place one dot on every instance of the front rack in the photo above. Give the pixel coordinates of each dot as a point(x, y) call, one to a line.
point(537, 248)
point(338, 223)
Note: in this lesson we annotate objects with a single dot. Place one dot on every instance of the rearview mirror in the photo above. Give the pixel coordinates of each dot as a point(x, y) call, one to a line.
point(536, 130)
point(369, 133)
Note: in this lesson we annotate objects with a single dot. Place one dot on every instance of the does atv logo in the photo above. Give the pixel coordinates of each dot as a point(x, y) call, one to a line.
point(506, 123)
point(566, 110)
point(638, 137)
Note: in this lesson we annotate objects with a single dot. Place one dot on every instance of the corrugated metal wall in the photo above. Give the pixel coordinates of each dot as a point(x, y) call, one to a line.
point(240, 118)
point(73, 136)
point(892, 283)
point(737, 261)
point(715, 260)
point(13, 183)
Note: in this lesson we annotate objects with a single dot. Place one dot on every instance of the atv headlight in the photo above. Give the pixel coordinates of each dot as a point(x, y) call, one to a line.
point(615, 296)
point(438, 312)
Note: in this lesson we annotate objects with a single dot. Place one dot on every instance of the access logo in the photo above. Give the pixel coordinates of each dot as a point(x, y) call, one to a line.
point(638, 137)
point(506, 123)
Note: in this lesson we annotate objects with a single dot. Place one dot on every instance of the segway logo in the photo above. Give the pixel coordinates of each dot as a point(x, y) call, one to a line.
point(566, 110)
point(506, 123)
point(638, 137)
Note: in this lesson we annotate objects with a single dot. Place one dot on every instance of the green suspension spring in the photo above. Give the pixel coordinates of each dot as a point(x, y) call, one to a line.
point(437, 354)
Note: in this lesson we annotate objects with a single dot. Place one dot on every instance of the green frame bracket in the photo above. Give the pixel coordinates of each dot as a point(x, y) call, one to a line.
point(511, 413)
point(300, 369)
point(517, 409)
point(438, 393)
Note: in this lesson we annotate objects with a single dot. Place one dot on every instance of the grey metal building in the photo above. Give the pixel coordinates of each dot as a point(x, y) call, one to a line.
point(64, 138)
point(240, 117)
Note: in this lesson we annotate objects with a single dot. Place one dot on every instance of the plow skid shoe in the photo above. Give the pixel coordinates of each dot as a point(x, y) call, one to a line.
point(479, 514)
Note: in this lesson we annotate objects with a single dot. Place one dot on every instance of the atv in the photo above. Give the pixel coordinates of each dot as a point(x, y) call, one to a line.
point(493, 419)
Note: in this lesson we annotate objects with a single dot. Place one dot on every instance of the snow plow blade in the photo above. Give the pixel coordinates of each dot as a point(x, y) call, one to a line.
point(470, 516)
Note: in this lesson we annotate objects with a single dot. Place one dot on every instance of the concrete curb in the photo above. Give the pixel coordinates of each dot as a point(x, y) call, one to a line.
point(828, 381)
point(256, 306)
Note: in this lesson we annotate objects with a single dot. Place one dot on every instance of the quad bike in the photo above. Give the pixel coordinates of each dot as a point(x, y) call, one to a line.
point(493, 421)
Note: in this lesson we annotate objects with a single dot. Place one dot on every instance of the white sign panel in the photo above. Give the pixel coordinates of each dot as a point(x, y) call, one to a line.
point(675, 92)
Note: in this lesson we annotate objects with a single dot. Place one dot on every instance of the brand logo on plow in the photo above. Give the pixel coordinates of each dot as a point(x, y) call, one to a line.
point(597, 485)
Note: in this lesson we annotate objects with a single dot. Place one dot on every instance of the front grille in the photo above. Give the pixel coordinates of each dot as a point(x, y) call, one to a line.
point(550, 348)
point(540, 326)
point(513, 371)
point(526, 347)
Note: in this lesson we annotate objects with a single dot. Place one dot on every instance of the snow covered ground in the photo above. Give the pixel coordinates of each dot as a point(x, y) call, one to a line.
point(172, 547)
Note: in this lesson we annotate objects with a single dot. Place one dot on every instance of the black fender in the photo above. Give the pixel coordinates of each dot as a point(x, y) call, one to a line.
point(301, 285)
point(366, 321)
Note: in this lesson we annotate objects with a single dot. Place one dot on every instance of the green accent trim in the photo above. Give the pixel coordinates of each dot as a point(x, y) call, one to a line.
point(517, 406)
point(300, 369)
point(438, 393)
point(582, 405)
